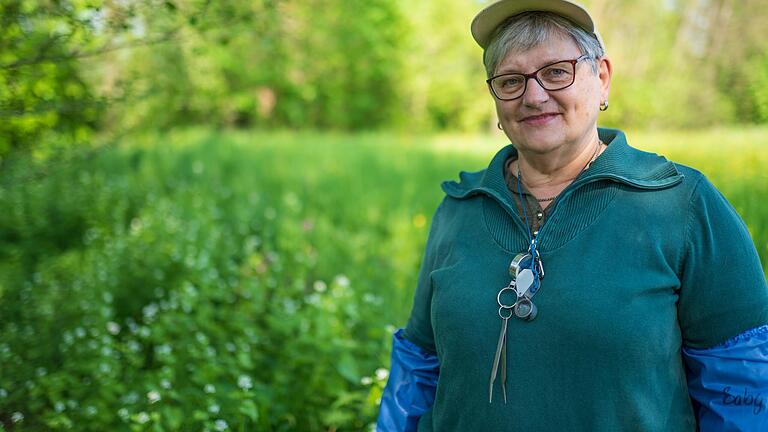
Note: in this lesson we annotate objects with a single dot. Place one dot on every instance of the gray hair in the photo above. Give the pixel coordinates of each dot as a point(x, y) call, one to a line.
point(529, 29)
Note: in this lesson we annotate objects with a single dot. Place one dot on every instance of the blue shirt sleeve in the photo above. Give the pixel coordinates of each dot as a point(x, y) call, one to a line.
point(728, 383)
point(410, 390)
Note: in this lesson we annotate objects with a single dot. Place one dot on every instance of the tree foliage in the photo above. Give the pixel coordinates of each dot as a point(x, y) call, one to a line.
point(41, 89)
point(71, 67)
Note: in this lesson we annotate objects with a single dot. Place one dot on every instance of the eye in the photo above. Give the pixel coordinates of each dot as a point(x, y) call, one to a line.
point(510, 81)
point(555, 72)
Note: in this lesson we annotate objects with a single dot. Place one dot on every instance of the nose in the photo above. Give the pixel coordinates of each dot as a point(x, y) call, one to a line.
point(535, 94)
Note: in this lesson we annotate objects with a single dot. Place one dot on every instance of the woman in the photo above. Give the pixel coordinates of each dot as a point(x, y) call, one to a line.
point(635, 299)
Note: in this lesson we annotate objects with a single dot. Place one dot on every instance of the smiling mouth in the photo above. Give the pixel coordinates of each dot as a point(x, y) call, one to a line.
point(539, 118)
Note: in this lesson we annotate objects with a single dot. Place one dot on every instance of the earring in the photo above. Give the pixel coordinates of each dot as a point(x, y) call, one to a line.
point(498, 125)
point(604, 105)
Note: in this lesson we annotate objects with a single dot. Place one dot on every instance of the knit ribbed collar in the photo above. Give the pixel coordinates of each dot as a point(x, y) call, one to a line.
point(619, 163)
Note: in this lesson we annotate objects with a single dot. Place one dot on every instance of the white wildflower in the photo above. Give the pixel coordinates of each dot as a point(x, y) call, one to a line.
point(320, 286)
point(153, 396)
point(245, 382)
point(142, 417)
point(150, 311)
point(381, 374)
point(113, 327)
point(136, 225)
point(342, 281)
point(163, 349)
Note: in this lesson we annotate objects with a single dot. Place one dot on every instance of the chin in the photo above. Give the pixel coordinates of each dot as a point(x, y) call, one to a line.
point(539, 141)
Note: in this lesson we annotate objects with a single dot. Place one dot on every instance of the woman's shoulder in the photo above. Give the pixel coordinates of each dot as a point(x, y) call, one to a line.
point(686, 181)
point(698, 186)
point(691, 174)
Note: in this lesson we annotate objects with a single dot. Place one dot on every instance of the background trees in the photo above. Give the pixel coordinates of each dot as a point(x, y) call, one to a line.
point(71, 67)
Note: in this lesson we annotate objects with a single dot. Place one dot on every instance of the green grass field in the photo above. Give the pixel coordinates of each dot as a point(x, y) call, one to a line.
point(218, 281)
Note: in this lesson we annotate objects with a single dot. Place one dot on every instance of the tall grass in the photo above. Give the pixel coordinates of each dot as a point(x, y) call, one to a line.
point(208, 280)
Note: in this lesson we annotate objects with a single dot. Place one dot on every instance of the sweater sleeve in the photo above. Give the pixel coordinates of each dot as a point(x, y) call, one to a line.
point(412, 383)
point(728, 383)
point(723, 290)
point(410, 389)
point(419, 327)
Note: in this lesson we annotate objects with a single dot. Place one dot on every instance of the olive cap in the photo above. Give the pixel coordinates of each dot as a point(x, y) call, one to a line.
point(486, 22)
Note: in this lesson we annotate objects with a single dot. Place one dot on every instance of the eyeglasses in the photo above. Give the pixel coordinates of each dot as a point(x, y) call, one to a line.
point(554, 76)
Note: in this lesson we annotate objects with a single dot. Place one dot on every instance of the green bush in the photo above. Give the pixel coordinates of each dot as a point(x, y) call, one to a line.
point(230, 283)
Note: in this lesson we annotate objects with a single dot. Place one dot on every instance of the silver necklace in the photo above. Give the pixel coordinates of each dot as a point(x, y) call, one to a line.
point(592, 159)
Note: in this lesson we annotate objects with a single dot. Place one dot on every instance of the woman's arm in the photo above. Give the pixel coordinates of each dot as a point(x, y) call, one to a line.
point(411, 387)
point(723, 291)
point(728, 383)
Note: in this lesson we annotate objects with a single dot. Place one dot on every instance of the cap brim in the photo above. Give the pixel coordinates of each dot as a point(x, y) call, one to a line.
point(491, 17)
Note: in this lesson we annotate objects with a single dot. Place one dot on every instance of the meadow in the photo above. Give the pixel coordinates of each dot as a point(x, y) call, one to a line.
point(240, 280)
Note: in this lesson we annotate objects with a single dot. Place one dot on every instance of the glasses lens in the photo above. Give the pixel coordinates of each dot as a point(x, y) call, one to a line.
point(508, 86)
point(556, 76)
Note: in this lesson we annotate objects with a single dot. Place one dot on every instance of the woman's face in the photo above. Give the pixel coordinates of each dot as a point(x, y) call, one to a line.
point(543, 121)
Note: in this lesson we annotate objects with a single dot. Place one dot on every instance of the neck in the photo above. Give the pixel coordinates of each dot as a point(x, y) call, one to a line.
point(554, 169)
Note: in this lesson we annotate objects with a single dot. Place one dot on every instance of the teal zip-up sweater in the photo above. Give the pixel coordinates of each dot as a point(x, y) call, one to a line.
point(641, 256)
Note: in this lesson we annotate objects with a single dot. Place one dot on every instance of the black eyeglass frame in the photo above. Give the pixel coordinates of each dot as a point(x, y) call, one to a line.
point(534, 75)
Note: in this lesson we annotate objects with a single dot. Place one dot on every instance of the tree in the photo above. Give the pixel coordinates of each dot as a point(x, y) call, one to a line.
point(42, 91)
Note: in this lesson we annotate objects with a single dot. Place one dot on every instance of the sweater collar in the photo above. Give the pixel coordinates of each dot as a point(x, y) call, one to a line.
point(619, 163)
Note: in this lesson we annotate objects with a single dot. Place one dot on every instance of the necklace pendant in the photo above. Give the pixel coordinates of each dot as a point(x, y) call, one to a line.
point(525, 260)
point(526, 310)
point(527, 285)
point(526, 272)
point(517, 264)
